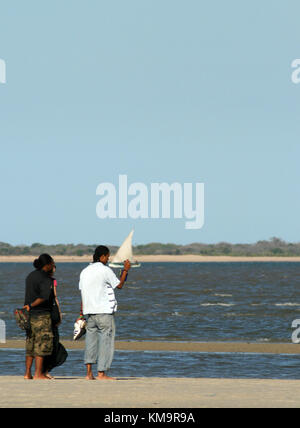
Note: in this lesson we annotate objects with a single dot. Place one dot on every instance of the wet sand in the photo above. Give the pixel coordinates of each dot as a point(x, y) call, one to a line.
point(148, 393)
point(260, 348)
point(156, 259)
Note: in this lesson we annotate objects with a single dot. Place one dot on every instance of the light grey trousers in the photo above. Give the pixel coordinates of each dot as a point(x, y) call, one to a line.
point(100, 341)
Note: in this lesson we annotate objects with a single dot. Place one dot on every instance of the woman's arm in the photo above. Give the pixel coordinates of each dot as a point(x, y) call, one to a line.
point(37, 302)
point(56, 300)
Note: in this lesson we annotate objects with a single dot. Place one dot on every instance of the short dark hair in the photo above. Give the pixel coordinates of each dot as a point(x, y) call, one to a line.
point(100, 251)
point(42, 261)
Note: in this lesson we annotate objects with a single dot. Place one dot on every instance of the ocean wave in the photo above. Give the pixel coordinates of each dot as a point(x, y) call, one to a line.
point(223, 295)
point(287, 304)
point(217, 304)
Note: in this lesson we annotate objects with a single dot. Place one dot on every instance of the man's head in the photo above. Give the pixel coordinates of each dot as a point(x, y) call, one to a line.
point(101, 254)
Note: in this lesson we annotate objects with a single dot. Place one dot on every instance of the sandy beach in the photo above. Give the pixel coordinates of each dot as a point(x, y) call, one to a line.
point(155, 259)
point(157, 393)
point(149, 393)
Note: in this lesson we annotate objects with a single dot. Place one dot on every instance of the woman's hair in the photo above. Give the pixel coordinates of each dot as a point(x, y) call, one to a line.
point(42, 261)
point(100, 251)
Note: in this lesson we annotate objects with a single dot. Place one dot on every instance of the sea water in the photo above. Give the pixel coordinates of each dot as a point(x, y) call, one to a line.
point(205, 302)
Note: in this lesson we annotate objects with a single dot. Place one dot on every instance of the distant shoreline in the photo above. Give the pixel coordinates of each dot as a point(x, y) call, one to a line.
point(189, 258)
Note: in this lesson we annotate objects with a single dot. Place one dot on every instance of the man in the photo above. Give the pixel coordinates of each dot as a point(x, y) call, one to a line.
point(97, 285)
point(39, 301)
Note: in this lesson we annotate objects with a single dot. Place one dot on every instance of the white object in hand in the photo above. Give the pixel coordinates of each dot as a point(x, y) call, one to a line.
point(79, 328)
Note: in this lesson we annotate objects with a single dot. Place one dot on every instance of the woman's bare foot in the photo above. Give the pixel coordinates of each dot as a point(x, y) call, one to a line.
point(40, 377)
point(39, 369)
point(28, 377)
point(49, 376)
point(28, 364)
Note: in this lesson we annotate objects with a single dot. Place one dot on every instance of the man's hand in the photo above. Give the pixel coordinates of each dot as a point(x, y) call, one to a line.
point(27, 308)
point(127, 265)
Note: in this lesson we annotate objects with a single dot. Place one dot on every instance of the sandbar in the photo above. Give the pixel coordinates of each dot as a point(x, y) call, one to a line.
point(159, 346)
point(189, 258)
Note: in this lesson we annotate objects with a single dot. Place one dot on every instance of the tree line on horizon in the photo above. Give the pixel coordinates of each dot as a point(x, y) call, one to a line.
point(273, 247)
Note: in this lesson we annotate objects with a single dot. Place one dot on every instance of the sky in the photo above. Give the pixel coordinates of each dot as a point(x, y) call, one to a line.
point(161, 91)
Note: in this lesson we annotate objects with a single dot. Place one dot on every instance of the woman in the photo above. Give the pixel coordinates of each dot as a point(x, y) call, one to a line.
point(59, 353)
point(39, 297)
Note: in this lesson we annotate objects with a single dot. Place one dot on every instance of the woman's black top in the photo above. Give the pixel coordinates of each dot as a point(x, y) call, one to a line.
point(39, 285)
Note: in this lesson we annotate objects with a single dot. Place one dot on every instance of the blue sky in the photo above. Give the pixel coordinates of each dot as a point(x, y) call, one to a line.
point(167, 91)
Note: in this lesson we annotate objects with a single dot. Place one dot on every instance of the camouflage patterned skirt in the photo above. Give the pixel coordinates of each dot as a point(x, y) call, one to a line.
point(39, 341)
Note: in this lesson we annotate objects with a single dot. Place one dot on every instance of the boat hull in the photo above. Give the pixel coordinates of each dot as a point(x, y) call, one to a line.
point(121, 265)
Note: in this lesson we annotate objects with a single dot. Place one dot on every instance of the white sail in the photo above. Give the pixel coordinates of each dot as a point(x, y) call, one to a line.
point(125, 251)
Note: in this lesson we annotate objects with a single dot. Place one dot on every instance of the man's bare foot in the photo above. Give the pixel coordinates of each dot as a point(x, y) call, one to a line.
point(89, 377)
point(103, 376)
point(89, 372)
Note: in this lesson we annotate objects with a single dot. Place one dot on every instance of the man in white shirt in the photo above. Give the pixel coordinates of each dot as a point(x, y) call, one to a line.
point(97, 284)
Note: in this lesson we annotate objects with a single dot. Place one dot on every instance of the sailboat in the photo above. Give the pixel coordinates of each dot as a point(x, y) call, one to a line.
point(124, 253)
